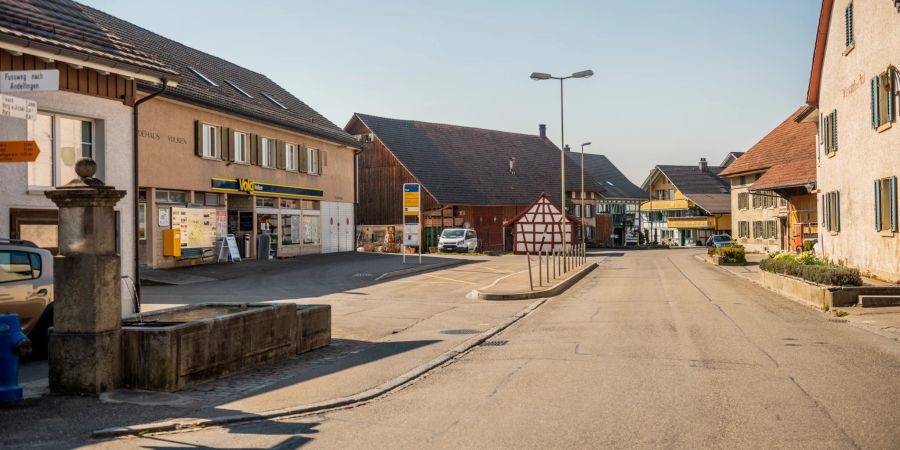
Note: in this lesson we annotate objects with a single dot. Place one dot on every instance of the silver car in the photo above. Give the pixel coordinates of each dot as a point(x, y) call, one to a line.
point(26, 287)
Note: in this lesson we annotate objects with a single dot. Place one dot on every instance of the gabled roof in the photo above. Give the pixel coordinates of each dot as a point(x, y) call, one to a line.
point(705, 188)
point(815, 74)
point(66, 28)
point(295, 115)
point(730, 158)
point(787, 154)
point(606, 174)
point(470, 166)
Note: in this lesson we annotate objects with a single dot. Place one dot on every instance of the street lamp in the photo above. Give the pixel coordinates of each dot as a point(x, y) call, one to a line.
point(583, 211)
point(538, 76)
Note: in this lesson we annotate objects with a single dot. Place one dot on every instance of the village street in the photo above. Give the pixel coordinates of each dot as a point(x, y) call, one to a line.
point(653, 349)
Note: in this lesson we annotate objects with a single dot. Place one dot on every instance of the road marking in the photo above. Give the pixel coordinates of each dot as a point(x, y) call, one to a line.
point(445, 278)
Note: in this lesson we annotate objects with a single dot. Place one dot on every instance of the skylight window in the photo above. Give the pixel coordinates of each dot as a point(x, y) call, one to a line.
point(238, 88)
point(203, 77)
point(272, 99)
point(610, 183)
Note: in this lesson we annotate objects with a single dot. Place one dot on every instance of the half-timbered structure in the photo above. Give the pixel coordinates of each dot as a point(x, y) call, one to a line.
point(538, 228)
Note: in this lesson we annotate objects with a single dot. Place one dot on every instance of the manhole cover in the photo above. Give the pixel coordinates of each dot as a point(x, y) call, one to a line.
point(363, 274)
point(496, 343)
point(459, 331)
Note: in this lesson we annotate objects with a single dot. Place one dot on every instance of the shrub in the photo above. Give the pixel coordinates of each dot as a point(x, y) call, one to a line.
point(816, 270)
point(732, 254)
point(808, 245)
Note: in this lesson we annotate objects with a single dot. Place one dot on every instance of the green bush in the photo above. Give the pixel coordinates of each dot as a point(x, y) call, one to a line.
point(732, 254)
point(808, 245)
point(811, 268)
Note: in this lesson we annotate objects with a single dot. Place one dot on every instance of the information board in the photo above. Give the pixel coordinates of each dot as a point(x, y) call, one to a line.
point(411, 199)
point(198, 226)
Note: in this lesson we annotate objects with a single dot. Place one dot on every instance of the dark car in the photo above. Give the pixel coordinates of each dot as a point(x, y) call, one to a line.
point(719, 240)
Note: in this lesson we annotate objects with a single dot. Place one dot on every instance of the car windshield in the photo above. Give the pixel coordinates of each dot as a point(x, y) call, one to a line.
point(722, 238)
point(453, 234)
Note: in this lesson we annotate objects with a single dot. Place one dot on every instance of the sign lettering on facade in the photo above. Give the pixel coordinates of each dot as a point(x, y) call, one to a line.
point(18, 151)
point(29, 80)
point(243, 185)
point(17, 108)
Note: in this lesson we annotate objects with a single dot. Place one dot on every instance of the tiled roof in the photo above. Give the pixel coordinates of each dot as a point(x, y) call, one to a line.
point(470, 166)
point(191, 88)
point(705, 188)
point(63, 26)
point(795, 173)
point(730, 158)
point(606, 174)
point(789, 141)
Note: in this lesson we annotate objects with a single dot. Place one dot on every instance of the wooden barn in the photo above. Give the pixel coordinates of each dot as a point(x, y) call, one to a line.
point(471, 177)
point(539, 227)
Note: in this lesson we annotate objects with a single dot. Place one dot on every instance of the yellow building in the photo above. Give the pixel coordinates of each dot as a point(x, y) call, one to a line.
point(687, 204)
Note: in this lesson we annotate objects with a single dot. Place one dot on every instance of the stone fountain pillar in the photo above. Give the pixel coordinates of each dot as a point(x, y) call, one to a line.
point(85, 346)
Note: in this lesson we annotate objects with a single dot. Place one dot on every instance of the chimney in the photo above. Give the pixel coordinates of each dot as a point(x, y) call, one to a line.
point(542, 131)
point(566, 148)
point(703, 166)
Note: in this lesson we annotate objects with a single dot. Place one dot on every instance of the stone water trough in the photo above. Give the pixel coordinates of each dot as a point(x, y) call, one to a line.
point(170, 349)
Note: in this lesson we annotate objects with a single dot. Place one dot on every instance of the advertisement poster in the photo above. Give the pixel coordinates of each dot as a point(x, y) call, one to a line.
point(221, 224)
point(198, 226)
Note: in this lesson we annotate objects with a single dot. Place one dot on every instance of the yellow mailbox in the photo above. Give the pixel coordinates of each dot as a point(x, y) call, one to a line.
point(172, 242)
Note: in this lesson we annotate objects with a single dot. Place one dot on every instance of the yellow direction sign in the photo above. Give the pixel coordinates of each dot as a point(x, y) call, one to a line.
point(18, 151)
point(411, 199)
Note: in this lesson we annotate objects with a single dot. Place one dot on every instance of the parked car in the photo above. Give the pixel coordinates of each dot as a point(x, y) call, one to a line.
point(631, 239)
point(26, 288)
point(719, 240)
point(458, 240)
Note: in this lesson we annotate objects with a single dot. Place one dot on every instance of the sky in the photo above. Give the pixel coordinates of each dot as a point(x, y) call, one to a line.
point(674, 81)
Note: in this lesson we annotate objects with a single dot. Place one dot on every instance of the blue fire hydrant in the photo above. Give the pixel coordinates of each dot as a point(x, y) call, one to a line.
point(12, 344)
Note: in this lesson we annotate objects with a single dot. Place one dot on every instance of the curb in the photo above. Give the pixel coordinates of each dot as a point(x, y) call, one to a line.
point(549, 292)
point(417, 269)
point(362, 397)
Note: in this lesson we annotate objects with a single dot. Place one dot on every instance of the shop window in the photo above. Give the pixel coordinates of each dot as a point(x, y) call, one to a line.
point(289, 204)
point(63, 140)
point(290, 157)
point(142, 221)
point(210, 141)
point(241, 147)
point(266, 202)
point(310, 229)
point(886, 204)
point(267, 152)
point(212, 199)
point(290, 229)
point(310, 204)
point(142, 195)
point(171, 196)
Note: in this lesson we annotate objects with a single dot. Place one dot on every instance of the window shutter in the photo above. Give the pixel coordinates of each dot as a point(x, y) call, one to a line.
point(198, 138)
point(279, 154)
point(890, 95)
point(825, 212)
point(834, 135)
point(223, 144)
point(892, 192)
point(877, 205)
point(254, 149)
point(304, 159)
point(873, 92)
point(826, 133)
point(229, 144)
point(321, 159)
point(837, 211)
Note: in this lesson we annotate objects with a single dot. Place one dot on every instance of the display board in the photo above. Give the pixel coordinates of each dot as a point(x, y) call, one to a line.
point(198, 226)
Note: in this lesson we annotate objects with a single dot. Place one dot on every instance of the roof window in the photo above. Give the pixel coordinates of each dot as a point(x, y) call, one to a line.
point(609, 183)
point(202, 77)
point(272, 99)
point(238, 88)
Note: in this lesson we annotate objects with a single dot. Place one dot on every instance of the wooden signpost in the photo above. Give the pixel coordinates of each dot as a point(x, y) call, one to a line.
point(18, 151)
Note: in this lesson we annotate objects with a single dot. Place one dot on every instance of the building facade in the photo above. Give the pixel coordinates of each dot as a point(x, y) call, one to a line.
point(853, 84)
point(612, 215)
point(772, 184)
point(688, 204)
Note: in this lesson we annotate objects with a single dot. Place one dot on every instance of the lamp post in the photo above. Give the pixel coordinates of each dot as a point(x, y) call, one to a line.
point(583, 210)
point(539, 76)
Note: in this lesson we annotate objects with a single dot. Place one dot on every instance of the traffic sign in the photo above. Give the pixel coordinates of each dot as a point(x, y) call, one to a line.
point(17, 108)
point(411, 198)
point(29, 80)
point(18, 151)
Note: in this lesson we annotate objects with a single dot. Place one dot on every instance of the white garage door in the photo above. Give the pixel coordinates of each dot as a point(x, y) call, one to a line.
point(337, 227)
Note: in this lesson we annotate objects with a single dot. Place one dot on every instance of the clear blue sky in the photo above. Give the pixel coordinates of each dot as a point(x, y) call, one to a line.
point(674, 80)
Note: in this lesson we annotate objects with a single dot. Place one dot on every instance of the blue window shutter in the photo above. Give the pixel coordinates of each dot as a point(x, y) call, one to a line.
point(874, 95)
point(826, 132)
point(892, 191)
point(837, 212)
point(825, 217)
point(877, 205)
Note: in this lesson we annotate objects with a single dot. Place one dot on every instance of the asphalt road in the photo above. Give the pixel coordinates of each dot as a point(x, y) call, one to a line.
point(654, 349)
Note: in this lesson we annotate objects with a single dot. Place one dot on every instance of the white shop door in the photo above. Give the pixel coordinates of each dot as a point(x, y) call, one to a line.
point(329, 227)
point(346, 227)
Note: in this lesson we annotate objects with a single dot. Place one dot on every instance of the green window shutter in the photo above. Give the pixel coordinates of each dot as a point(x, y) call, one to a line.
point(223, 144)
point(834, 135)
point(198, 138)
point(321, 159)
point(826, 211)
point(873, 93)
point(877, 205)
point(304, 159)
point(229, 142)
point(254, 149)
point(837, 212)
point(279, 154)
point(892, 192)
point(890, 95)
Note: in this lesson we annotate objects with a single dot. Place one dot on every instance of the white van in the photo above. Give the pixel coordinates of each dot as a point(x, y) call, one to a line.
point(458, 240)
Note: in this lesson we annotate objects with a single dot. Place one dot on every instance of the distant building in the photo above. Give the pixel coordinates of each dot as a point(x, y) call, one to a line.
point(471, 177)
point(773, 201)
point(688, 204)
point(611, 216)
point(854, 85)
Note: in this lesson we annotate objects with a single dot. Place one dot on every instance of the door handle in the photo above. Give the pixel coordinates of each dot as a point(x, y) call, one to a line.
point(41, 293)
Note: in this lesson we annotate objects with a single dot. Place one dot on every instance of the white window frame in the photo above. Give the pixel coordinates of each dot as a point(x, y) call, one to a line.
point(312, 161)
point(290, 157)
point(241, 147)
point(211, 145)
point(267, 152)
point(55, 176)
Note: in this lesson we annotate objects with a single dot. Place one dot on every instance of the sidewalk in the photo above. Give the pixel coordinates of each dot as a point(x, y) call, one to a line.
point(883, 321)
point(543, 281)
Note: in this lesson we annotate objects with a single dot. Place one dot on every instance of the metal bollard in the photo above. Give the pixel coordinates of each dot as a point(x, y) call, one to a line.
point(540, 278)
point(530, 281)
point(13, 343)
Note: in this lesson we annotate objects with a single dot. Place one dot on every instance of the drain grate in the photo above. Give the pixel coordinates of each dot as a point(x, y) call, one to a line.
point(495, 343)
point(463, 331)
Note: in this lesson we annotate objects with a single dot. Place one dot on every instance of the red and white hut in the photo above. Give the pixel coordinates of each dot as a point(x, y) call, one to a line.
point(539, 227)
